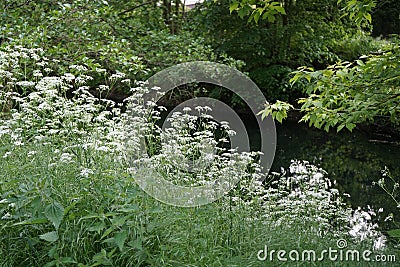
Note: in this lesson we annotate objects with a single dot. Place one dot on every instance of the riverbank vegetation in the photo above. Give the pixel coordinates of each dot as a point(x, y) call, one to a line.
point(69, 151)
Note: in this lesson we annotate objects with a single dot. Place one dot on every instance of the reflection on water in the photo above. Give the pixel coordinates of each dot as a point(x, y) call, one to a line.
point(349, 158)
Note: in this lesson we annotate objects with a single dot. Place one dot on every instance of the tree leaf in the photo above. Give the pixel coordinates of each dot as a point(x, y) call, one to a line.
point(233, 7)
point(340, 127)
point(350, 126)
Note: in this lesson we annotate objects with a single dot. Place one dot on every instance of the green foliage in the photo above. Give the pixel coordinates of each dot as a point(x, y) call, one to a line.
point(278, 110)
point(310, 33)
point(119, 36)
point(359, 11)
point(255, 10)
point(346, 94)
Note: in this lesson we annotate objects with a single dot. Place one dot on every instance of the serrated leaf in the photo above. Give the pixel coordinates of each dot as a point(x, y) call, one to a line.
point(340, 127)
point(55, 213)
point(120, 239)
point(50, 236)
point(350, 126)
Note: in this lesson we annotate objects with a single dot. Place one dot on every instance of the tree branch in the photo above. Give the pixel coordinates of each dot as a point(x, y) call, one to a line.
point(135, 7)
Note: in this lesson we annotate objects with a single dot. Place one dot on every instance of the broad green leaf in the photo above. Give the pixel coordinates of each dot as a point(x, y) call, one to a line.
point(55, 213)
point(280, 9)
point(50, 236)
point(256, 15)
point(350, 126)
point(279, 116)
point(52, 263)
point(120, 239)
point(233, 7)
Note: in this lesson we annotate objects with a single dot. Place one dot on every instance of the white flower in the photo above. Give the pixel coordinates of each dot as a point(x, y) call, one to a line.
point(6, 216)
point(37, 73)
point(117, 75)
point(66, 158)
point(103, 87)
point(379, 243)
point(99, 70)
point(68, 77)
point(31, 153)
point(6, 155)
point(85, 172)
point(78, 67)
point(18, 143)
point(25, 83)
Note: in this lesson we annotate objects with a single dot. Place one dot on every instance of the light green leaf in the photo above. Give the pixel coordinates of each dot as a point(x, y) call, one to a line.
point(340, 127)
point(50, 236)
point(279, 116)
point(368, 17)
point(280, 9)
point(350, 126)
point(233, 7)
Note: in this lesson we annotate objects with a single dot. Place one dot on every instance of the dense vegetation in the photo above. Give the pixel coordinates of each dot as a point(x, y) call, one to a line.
point(70, 152)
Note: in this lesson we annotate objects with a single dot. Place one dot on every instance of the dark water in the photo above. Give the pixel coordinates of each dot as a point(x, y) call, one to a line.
point(354, 160)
